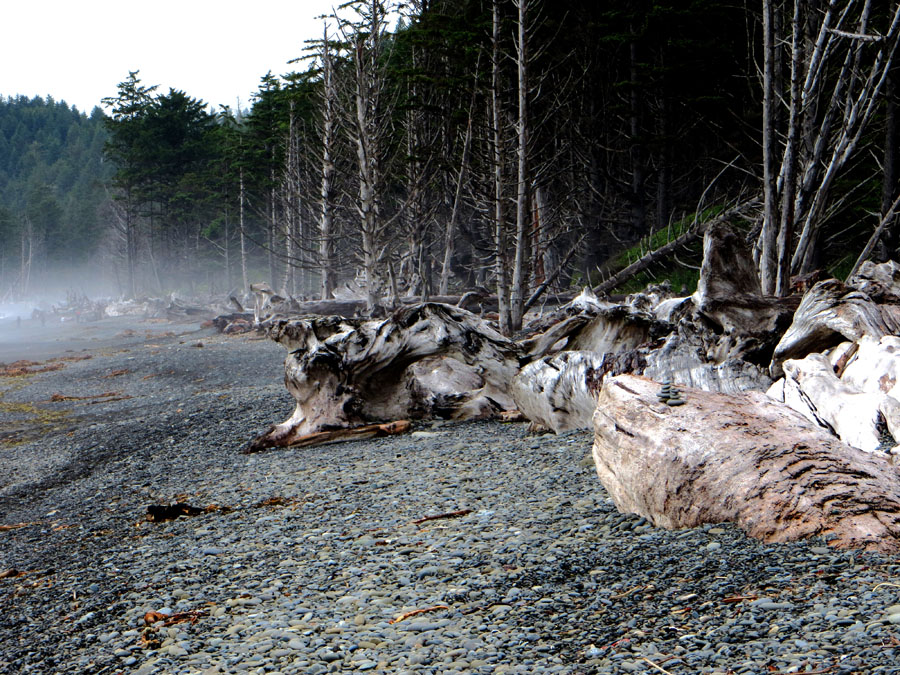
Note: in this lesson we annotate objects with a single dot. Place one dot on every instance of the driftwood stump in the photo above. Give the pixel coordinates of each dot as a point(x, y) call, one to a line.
point(349, 372)
point(742, 459)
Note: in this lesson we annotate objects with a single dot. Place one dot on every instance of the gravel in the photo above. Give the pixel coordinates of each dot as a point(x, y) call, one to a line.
point(310, 561)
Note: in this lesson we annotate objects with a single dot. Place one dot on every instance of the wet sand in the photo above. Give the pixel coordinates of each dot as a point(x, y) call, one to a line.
point(30, 340)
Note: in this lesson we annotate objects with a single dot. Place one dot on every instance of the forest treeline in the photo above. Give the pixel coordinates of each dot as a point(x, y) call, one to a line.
point(515, 145)
point(53, 185)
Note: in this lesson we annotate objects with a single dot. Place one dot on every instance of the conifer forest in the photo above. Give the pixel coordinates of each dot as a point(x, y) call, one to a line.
point(520, 147)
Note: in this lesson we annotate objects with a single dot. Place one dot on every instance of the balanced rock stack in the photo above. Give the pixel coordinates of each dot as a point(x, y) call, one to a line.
point(670, 395)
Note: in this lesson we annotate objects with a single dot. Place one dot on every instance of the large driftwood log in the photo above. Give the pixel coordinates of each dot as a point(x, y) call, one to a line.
point(742, 459)
point(728, 291)
point(345, 372)
point(725, 333)
point(812, 387)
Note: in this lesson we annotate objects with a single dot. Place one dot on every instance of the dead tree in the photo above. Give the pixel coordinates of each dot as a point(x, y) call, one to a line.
point(368, 126)
point(327, 193)
point(519, 272)
point(837, 74)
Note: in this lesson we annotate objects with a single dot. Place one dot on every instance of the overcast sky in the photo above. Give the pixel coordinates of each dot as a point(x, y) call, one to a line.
point(214, 50)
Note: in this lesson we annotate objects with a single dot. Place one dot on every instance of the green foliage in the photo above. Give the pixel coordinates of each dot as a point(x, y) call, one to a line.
point(51, 181)
point(662, 237)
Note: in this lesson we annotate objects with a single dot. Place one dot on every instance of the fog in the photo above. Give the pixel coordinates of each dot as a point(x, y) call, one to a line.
point(57, 314)
point(57, 287)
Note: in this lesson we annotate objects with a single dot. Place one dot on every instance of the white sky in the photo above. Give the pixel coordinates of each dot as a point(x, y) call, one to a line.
point(214, 50)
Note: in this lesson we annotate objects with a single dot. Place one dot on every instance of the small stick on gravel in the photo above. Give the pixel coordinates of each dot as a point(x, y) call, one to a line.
point(886, 583)
point(171, 619)
point(659, 668)
point(416, 612)
point(451, 514)
point(55, 398)
point(627, 593)
point(336, 436)
point(805, 672)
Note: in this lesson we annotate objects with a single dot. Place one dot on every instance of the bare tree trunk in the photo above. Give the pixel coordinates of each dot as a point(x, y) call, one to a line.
point(789, 162)
point(889, 182)
point(450, 232)
point(290, 206)
point(244, 282)
point(326, 223)
point(769, 234)
point(367, 132)
point(499, 215)
point(854, 99)
point(519, 272)
point(638, 207)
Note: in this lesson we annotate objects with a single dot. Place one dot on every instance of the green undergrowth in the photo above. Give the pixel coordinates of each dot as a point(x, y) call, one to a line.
point(681, 270)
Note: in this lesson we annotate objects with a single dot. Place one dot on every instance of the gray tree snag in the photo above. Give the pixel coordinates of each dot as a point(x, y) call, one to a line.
point(367, 124)
point(519, 271)
point(499, 210)
point(838, 67)
point(345, 373)
point(327, 191)
point(742, 459)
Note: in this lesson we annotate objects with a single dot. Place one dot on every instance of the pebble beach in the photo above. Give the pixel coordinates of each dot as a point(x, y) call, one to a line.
point(471, 547)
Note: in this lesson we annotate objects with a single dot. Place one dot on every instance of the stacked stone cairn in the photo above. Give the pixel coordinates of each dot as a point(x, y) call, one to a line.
point(670, 395)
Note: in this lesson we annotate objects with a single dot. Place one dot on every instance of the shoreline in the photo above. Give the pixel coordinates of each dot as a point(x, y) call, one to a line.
point(304, 561)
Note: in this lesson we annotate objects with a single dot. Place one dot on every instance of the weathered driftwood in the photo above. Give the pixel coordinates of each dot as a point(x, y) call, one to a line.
point(344, 373)
point(724, 334)
point(742, 459)
point(852, 391)
point(728, 292)
point(874, 365)
point(858, 418)
point(554, 391)
point(831, 313)
point(338, 435)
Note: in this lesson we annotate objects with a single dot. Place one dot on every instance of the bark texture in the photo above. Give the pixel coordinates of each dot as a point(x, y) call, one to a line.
point(742, 459)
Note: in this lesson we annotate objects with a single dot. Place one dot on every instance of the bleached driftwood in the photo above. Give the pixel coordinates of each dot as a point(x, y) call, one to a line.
point(346, 372)
point(728, 291)
point(851, 390)
point(339, 435)
point(742, 459)
point(724, 334)
point(556, 391)
point(857, 417)
point(831, 313)
point(875, 366)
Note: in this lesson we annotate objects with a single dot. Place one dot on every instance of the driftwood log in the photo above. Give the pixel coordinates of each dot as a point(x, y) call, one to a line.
point(831, 313)
point(344, 372)
point(742, 459)
point(555, 393)
point(851, 390)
